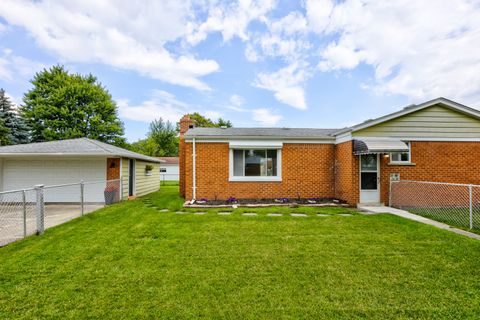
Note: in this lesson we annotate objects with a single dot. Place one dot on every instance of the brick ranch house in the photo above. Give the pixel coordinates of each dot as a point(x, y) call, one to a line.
point(438, 140)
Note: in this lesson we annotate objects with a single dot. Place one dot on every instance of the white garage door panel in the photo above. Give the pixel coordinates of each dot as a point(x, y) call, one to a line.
point(19, 174)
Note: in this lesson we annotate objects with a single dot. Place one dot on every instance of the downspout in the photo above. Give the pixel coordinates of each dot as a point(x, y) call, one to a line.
point(194, 178)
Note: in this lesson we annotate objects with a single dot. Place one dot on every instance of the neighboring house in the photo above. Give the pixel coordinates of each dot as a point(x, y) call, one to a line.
point(438, 140)
point(169, 170)
point(70, 161)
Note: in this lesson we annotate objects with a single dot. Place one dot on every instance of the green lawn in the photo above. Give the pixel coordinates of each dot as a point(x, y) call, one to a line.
point(131, 261)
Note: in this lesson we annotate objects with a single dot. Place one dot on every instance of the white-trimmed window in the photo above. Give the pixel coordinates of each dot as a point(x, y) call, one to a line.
point(401, 157)
point(255, 164)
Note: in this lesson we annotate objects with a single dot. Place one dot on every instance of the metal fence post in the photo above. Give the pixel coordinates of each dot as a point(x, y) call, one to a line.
point(471, 206)
point(82, 201)
point(40, 208)
point(24, 199)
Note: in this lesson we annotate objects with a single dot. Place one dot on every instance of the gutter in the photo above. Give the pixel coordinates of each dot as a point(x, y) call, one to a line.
point(194, 179)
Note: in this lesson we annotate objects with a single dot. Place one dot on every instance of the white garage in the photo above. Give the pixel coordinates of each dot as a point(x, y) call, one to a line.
point(69, 162)
point(21, 173)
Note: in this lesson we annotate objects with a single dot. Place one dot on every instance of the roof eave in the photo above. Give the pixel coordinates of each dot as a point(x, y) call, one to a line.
point(448, 103)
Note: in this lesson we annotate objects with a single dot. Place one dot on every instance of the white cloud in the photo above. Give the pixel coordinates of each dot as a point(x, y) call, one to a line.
point(266, 117)
point(17, 68)
point(231, 19)
point(286, 84)
point(121, 34)
point(161, 104)
point(420, 49)
point(318, 12)
point(285, 38)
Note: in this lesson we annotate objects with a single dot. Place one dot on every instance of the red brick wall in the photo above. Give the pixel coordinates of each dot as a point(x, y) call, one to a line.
point(346, 173)
point(185, 123)
point(453, 162)
point(113, 168)
point(307, 171)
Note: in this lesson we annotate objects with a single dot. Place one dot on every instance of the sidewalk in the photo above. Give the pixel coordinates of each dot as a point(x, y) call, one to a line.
point(411, 216)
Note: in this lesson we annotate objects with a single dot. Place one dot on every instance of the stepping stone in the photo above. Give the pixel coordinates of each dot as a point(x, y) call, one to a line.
point(249, 214)
point(344, 214)
point(224, 213)
point(164, 210)
point(322, 215)
point(274, 214)
point(298, 214)
point(180, 212)
point(200, 212)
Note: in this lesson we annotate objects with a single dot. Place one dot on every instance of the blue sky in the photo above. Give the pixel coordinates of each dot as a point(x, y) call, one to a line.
point(312, 63)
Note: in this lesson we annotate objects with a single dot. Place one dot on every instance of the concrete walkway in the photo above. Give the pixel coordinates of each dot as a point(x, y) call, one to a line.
point(411, 216)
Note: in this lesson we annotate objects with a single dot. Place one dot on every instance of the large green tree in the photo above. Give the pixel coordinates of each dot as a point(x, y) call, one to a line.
point(14, 130)
point(62, 105)
point(161, 141)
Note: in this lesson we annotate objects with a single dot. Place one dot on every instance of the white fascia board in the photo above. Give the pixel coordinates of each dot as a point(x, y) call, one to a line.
point(425, 139)
point(36, 154)
point(279, 139)
point(344, 137)
point(247, 144)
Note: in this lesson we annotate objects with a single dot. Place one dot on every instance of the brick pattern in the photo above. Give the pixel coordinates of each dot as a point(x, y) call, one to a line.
point(346, 173)
point(452, 162)
point(307, 171)
point(113, 168)
point(185, 124)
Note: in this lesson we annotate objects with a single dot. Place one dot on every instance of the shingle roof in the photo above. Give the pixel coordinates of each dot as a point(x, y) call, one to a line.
point(262, 132)
point(79, 147)
point(169, 160)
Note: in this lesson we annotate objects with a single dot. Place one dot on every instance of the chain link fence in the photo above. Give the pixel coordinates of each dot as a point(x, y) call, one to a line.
point(454, 204)
point(31, 211)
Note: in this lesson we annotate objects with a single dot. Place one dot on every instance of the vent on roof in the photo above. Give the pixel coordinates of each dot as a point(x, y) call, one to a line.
point(410, 106)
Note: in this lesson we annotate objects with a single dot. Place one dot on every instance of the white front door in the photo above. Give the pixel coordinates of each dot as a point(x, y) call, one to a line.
point(369, 178)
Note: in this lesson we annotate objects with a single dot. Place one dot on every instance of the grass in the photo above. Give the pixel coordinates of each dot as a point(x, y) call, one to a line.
point(169, 183)
point(129, 261)
point(457, 217)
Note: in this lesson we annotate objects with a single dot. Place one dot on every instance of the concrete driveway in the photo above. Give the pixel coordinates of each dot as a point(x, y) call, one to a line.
point(11, 218)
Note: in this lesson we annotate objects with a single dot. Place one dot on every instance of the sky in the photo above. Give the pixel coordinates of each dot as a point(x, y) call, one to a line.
point(269, 63)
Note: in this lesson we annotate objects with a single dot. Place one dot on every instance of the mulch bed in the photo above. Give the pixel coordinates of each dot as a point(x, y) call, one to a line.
point(311, 202)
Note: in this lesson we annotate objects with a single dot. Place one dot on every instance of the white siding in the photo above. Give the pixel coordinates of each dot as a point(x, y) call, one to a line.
point(172, 174)
point(433, 122)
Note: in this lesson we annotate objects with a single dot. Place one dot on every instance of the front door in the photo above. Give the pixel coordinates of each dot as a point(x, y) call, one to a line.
point(369, 179)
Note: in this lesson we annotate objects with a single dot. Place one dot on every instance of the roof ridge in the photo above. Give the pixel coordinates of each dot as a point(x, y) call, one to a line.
point(95, 142)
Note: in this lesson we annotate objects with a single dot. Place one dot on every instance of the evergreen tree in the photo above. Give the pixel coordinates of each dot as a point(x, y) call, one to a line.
point(62, 105)
point(15, 129)
point(4, 133)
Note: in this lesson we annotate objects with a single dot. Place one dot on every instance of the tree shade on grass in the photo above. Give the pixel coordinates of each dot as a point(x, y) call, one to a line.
point(131, 261)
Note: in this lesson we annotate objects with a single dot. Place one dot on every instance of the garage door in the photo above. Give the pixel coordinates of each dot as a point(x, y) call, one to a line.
point(20, 174)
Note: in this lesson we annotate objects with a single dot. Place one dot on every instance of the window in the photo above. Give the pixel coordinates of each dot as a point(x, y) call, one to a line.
point(401, 157)
point(255, 165)
point(163, 170)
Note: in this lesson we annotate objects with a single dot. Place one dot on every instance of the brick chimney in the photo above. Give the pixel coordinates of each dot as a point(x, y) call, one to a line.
point(185, 124)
